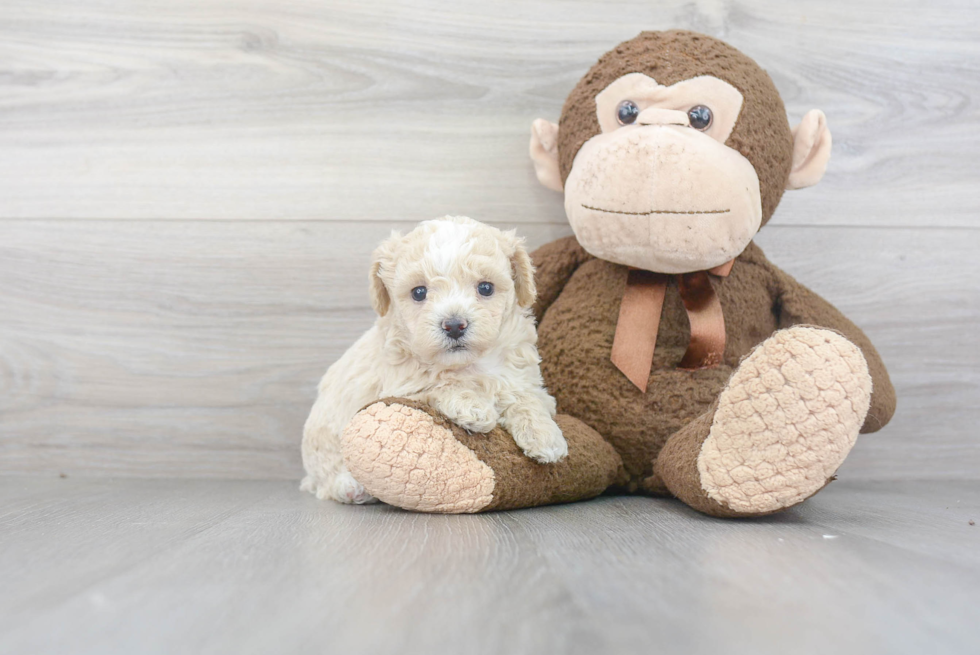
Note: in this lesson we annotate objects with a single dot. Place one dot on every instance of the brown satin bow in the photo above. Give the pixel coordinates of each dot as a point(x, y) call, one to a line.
point(639, 321)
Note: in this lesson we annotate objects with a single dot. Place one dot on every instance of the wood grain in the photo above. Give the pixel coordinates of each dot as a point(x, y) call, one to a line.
point(193, 348)
point(102, 566)
point(334, 109)
point(189, 194)
point(190, 190)
point(158, 348)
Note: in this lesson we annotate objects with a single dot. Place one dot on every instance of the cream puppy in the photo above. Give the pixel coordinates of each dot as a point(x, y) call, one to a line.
point(454, 330)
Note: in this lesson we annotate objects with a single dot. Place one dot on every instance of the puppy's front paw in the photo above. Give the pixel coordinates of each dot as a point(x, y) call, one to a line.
point(341, 487)
point(474, 417)
point(350, 491)
point(541, 439)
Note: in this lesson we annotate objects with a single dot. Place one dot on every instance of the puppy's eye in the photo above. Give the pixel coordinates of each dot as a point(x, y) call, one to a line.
point(700, 117)
point(485, 288)
point(418, 293)
point(626, 112)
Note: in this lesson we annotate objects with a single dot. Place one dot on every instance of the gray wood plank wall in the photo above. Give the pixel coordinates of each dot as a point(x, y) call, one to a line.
point(190, 190)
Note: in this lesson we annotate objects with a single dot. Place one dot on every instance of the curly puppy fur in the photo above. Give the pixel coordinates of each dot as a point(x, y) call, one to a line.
point(487, 376)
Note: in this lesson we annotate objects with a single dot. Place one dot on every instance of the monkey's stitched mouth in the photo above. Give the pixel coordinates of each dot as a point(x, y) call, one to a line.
point(659, 211)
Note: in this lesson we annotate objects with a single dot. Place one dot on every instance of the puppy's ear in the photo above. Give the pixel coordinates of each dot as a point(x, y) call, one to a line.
point(523, 269)
point(382, 263)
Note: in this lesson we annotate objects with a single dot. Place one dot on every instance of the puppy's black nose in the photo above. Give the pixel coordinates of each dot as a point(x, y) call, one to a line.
point(454, 327)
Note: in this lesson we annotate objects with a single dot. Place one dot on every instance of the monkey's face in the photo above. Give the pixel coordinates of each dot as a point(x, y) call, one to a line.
point(657, 188)
point(673, 150)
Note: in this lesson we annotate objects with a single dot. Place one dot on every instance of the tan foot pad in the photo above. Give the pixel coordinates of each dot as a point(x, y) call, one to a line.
point(786, 421)
point(404, 458)
point(407, 455)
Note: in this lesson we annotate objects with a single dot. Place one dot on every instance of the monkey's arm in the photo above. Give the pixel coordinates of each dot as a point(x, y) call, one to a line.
point(554, 264)
point(795, 305)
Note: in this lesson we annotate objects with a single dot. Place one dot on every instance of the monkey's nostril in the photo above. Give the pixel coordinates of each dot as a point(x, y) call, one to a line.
point(454, 327)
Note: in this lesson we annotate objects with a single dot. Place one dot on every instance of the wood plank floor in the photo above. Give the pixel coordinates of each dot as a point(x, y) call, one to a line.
point(185, 566)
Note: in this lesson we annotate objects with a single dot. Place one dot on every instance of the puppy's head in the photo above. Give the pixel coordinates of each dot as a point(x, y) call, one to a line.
point(448, 286)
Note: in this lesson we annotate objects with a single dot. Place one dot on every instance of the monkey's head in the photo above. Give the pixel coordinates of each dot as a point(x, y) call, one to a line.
point(673, 151)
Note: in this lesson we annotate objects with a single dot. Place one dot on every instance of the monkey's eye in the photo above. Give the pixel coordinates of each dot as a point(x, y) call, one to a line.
point(626, 112)
point(485, 288)
point(700, 117)
point(418, 293)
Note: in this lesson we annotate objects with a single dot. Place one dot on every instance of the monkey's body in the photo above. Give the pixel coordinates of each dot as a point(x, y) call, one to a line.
point(577, 318)
point(781, 382)
point(578, 306)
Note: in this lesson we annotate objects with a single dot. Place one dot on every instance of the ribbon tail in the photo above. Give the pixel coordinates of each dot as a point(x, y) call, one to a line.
point(637, 327)
point(707, 346)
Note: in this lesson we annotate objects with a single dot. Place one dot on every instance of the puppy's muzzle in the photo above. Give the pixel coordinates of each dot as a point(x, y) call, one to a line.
point(454, 327)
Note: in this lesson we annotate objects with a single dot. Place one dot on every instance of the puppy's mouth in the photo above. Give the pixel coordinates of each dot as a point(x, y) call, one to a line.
point(456, 347)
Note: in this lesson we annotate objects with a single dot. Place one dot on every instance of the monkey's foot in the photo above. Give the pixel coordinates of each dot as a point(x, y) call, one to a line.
point(788, 417)
point(408, 455)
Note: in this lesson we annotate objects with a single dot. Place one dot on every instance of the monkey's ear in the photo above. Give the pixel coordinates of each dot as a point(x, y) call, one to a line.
point(523, 268)
point(382, 262)
point(544, 153)
point(811, 150)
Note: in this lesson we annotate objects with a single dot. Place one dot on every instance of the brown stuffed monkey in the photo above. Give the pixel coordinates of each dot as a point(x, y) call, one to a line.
point(683, 362)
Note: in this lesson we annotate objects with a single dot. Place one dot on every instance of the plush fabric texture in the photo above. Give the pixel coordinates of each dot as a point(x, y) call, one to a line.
point(726, 102)
point(670, 200)
point(780, 429)
point(799, 305)
point(409, 455)
point(404, 458)
point(761, 135)
point(785, 422)
point(811, 150)
point(575, 336)
point(763, 430)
